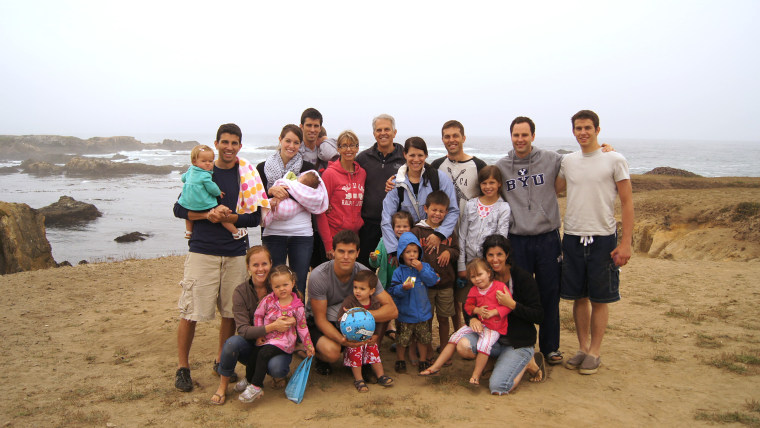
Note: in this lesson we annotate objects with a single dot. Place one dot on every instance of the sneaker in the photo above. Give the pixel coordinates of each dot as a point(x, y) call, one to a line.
point(233, 377)
point(182, 380)
point(575, 362)
point(242, 385)
point(251, 393)
point(590, 365)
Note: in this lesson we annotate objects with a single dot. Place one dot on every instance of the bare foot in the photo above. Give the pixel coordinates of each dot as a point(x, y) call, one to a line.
point(474, 381)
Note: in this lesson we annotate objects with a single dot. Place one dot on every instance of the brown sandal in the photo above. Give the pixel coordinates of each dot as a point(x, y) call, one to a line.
point(361, 386)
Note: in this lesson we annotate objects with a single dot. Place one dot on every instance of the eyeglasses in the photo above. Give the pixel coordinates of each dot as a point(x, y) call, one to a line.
point(348, 146)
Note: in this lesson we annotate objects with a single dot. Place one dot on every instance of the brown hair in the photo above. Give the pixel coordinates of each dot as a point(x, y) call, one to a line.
point(490, 171)
point(310, 178)
point(586, 114)
point(478, 263)
point(292, 128)
point(367, 276)
point(283, 270)
point(197, 152)
point(402, 215)
point(453, 124)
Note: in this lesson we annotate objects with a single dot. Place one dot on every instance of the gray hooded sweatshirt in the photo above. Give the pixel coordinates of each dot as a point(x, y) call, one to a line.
point(529, 189)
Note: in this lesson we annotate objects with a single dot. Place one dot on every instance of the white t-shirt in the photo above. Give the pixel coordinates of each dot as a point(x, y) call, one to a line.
point(591, 191)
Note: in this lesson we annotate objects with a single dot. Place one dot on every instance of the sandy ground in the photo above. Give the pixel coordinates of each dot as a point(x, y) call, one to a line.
point(95, 345)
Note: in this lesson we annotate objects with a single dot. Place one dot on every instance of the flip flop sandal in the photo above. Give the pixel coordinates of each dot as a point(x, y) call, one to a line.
point(391, 334)
point(554, 358)
point(385, 381)
point(430, 372)
point(222, 399)
point(361, 386)
point(539, 357)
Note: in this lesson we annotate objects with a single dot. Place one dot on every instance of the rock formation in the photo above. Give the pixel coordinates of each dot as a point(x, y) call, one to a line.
point(23, 245)
point(68, 212)
point(666, 170)
point(46, 147)
point(131, 237)
point(97, 167)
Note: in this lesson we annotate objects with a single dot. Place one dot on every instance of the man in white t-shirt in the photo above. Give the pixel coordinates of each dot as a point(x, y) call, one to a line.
point(591, 255)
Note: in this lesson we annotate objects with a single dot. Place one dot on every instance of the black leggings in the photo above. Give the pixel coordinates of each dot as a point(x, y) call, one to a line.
point(266, 353)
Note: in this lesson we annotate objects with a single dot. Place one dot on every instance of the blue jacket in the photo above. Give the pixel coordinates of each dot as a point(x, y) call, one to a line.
point(414, 205)
point(413, 304)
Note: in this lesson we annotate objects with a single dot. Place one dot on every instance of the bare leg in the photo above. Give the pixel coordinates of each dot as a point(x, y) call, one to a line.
point(230, 227)
point(378, 369)
point(400, 351)
point(185, 334)
point(443, 330)
point(464, 349)
point(457, 318)
point(533, 368)
point(582, 317)
point(413, 357)
point(226, 330)
point(357, 371)
point(422, 351)
point(327, 350)
point(600, 314)
point(446, 353)
point(480, 364)
point(189, 225)
point(221, 392)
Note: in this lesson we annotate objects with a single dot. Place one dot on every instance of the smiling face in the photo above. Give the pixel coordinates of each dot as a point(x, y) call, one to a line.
point(480, 278)
point(347, 150)
point(282, 285)
point(228, 147)
point(453, 140)
point(311, 128)
point(259, 266)
point(497, 258)
point(205, 160)
point(384, 134)
point(400, 226)
point(522, 139)
point(435, 214)
point(362, 291)
point(490, 187)
point(415, 160)
point(586, 134)
point(289, 146)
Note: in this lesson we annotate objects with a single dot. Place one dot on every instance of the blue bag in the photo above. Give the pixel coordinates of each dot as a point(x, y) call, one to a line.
point(297, 384)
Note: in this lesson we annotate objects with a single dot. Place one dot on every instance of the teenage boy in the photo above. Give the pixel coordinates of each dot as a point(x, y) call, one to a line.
point(215, 265)
point(591, 253)
point(441, 295)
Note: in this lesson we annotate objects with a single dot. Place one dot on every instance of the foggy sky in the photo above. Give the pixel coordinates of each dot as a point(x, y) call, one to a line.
point(651, 69)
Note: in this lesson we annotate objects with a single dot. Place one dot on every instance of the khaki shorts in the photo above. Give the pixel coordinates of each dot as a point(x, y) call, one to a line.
point(209, 283)
point(460, 294)
point(442, 301)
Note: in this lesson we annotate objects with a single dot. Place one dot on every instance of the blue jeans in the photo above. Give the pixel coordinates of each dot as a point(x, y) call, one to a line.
point(236, 348)
point(297, 250)
point(540, 255)
point(510, 362)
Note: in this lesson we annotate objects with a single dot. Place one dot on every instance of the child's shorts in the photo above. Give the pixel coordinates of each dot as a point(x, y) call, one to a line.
point(486, 338)
point(588, 269)
point(420, 331)
point(442, 301)
point(356, 357)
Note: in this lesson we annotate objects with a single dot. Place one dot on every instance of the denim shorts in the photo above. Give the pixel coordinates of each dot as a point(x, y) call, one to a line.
point(588, 269)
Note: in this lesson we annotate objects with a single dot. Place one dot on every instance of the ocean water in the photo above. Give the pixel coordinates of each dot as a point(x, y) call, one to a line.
point(144, 203)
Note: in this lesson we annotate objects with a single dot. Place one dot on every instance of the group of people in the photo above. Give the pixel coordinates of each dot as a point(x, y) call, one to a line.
point(450, 238)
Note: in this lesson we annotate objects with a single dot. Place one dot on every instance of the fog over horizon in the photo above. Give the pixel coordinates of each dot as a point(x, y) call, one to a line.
point(652, 70)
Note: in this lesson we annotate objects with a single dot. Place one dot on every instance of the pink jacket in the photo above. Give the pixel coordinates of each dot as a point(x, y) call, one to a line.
point(474, 299)
point(269, 310)
point(345, 191)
